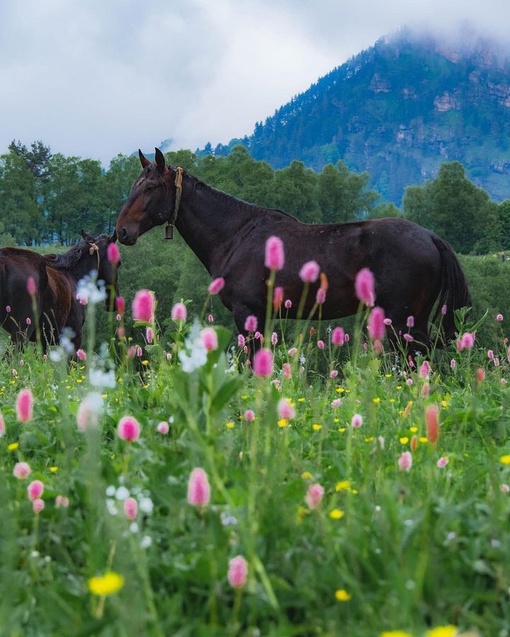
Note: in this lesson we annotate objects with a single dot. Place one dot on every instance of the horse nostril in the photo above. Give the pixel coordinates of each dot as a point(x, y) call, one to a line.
point(123, 233)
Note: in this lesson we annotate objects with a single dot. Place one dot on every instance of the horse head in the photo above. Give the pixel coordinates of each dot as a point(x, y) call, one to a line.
point(152, 202)
point(107, 270)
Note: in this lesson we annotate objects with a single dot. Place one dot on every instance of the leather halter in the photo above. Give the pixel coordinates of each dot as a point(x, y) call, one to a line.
point(169, 228)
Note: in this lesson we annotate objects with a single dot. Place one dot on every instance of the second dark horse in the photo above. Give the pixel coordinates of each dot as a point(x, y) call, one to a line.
point(416, 273)
point(53, 305)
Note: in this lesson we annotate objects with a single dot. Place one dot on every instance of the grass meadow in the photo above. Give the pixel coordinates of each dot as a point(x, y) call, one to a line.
point(156, 486)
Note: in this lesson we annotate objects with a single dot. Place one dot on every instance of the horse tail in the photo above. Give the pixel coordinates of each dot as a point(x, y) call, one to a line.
point(454, 292)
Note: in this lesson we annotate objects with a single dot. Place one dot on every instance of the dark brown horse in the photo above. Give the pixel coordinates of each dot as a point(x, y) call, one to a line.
point(53, 305)
point(415, 271)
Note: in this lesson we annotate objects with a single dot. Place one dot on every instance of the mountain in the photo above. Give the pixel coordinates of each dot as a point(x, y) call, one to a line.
point(398, 110)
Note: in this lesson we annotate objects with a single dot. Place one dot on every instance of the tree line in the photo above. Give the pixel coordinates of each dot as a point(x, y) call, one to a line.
point(46, 198)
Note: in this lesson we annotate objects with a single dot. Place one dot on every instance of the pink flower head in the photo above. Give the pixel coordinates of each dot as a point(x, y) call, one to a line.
point(357, 421)
point(480, 374)
point(128, 429)
point(89, 411)
point(81, 354)
point(143, 306)
point(179, 312)
point(410, 322)
point(320, 344)
point(442, 462)
point(209, 338)
point(241, 341)
point(163, 427)
point(120, 304)
point(287, 370)
point(24, 405)
point(61, 502)
point(216, 285)
point(432, 423)
point(277, 297)
point(424, 369)
point(237, 571)
point(314, 495)
point(285, 409)
point(37, 505)
point(31, 286)
point(113, 253)
point(405, 462)
point(35, 489)
point(2, 426)
point(320, 297)
point(499, 317)
point(21, 470)
point(130, 508)
point(376, 327)
point(364, 287)
point(274, 339)
point(263, 363)
point(309, 273)
point(288, 304)
point(199, 491)
point(149, 335)
point(466, 341)
point(338, 336)
point(275, 256)
point(251, 323)
point(249, 415)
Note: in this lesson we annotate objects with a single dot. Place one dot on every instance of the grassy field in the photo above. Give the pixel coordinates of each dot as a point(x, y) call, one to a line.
point(163, 489)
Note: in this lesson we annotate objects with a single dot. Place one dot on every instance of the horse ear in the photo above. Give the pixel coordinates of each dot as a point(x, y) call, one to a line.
point(160, 160)
point(143, 160)
point(89, 238)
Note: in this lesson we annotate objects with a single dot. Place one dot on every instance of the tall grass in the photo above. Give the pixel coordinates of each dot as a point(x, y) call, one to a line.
point(387, 550)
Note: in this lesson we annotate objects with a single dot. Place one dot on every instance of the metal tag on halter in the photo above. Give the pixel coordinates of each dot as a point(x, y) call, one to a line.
point(169, 231)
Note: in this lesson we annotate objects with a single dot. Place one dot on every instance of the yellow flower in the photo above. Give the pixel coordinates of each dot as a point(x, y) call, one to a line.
point(341, 595)
point(106, 584)
point(342, 429)
point(145, 362)
point(394, 633)
point(442, 631)
point(369, 439)
point(316, 426)
point(13, 446)
point(376, 400)
point(53, 469)
point(505, 459)
point(229, 425)
point(444, 403)
point(336, 514)
point(302, 512)
point(423, 439)
point(343, 485)
point(388, 375)
point(283, 422)
point(339, 390)
point(413, 430)
point(306, 475)
point(301, 400)
point(404, 440)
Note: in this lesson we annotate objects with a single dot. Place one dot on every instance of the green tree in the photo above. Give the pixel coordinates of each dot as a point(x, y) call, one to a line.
point(294, 192)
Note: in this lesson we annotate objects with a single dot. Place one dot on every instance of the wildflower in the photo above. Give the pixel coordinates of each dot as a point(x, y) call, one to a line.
point(286, 409)
point(505, 459)
point(263, 363)
point(199, 491)
point(209, 338)
point(466, 341)
point(61, 502)
point(341, 595)
point(316, 426)
point(81, 355)
point(163, 428)
point(241, 341)
point(2, 426)
point(277, 297)
point(31, 286)
point(410, 322)
point(336, 514)
point(179, 312)
point(320, 344)
point(35, 489)
point(287, 370)
point(237, 571)
point(21, 470)
point(333, 373)
point(130, 507)
point(394, 633)
point(480, 375)
point(251, 323)
point(432, 423)
point(275, 256)
point(143, 306)
point(195, 355)
point(128, 429)
point(338, 336)
point(499, 317)
point(120, 304)
point(249, 415)
point(309, 273)
point(216, 285)
point(442, 462)
point(13, 446)
point(88, 292)
point(356, 421)
point(274, 339)
point(99, 378)
point(442, 631)
point(424, 369)
point(24, 405)
point(376, 327)
point(288, 304)
point(336, 403)
point(364, 287)
point(414, 443)
point(106, 584)
point(320, 297)
point(405, 462)
point(37, 505)
point(314, 495)
point(343, 485)
point(91, 407)
point(504, 488)
point(113, 253)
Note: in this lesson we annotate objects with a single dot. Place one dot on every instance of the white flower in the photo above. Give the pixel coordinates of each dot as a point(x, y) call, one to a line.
point(146, 505)
point(146, 542)
point(195, 355)
point(99, 378)
point(89, 290)
point(122, 493)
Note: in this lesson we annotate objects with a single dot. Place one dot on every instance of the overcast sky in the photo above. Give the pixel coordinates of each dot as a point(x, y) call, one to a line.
point(94, 78)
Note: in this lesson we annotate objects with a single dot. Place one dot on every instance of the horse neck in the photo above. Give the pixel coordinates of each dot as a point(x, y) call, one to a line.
point(208, 219)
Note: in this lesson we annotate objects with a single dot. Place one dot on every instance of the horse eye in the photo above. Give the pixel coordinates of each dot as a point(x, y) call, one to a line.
point(150, 187)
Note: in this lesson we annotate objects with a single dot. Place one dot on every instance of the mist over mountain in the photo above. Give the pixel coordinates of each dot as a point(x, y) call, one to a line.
point(399, 110)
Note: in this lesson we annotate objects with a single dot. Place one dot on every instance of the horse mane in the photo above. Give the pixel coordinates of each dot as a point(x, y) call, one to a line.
point(70, 259)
